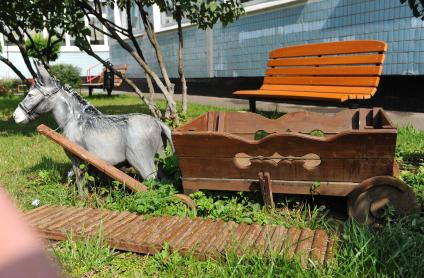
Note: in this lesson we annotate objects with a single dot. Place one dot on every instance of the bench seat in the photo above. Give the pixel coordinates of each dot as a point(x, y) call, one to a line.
point(335, 71)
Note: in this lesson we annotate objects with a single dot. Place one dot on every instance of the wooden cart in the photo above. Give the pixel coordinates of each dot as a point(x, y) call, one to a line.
point(350, 153)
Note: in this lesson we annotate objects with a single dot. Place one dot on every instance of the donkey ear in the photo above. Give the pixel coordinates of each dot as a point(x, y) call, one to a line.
point(39, 77)
point(44, 75)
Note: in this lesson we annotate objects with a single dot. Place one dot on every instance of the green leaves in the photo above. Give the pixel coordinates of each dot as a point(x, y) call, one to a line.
point(417, 7)
point(43, 48)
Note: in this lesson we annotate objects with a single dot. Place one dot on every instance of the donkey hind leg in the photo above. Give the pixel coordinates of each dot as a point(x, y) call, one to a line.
point(146, 167)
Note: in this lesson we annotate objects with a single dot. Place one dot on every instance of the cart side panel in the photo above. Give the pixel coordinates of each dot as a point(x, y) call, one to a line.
point(350, 157)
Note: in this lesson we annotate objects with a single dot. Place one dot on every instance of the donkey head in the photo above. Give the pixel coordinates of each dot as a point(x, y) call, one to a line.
point(39, 99)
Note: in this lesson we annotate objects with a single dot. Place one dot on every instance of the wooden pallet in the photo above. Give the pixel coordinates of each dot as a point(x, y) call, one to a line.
point(205, 238)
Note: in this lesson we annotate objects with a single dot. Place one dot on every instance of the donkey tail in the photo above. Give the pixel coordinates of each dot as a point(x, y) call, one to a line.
point(166, 135)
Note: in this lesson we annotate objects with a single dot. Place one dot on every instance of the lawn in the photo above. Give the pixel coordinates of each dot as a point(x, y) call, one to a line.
point(34, 168)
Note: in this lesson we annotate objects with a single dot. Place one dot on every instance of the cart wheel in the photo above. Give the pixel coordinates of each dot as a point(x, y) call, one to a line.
point(367, 203)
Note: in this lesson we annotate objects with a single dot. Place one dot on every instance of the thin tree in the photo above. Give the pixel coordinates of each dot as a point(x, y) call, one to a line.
point(125, 37)
point(20, 20)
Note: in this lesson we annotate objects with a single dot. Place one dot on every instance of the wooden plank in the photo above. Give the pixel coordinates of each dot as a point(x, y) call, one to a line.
point(330, 48)
point(319, 245)
point(208, 246)
point(38, 212)
point(206, 238)
point(101, 165)
point(277, 239)
point(191, 243)
point(291, 242)
point(77, 214)
point(246, 124)
point(372, 59)
point(248, 242)
point(317, 89)
point(118, 223)
point(360, 81)
point(296, 95)
point(182, 232)
point(263, 242)
point(332, 170)
point(266, 189)
point(59, 218)
point(304, 245)
point(373, 70)
point(221, 121)
point(279, 186)
point(47, 216)
point(350, 144)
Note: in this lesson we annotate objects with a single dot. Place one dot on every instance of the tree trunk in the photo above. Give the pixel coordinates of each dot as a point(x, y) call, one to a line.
point(12, 67)
point(151, 106)
point(181, 67)
point(151, 88)
point(26, 59)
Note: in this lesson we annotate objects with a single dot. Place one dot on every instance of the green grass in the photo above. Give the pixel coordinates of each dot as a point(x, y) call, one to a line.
point(34, 168)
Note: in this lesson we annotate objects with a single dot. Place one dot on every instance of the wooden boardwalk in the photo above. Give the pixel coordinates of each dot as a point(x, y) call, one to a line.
point(205, 238)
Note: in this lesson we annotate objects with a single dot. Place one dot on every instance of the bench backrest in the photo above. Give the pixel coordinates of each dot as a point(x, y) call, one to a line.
point(335, 64)
point(123, 70)
point(117, 80)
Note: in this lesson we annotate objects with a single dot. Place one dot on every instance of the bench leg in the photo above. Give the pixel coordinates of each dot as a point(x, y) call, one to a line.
point(90, 91)
point(252, 105)
point(354, 104)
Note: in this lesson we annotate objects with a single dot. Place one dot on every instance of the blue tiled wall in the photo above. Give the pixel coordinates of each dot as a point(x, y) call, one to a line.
point(195, 55)
point(241, 48)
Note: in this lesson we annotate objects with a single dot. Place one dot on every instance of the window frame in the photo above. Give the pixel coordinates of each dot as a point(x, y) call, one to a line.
point(256, 5)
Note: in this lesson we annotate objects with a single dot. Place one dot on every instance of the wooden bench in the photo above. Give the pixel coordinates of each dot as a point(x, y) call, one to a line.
point(99, 83)
point(334, 71)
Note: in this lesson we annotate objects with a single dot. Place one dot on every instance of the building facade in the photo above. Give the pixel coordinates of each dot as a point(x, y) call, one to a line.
point(234, 57)
point(69, 54)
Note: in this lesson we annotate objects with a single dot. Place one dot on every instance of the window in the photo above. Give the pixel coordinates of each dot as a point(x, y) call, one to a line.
point(63, 41)
point(166, 19)
point(253, 2)
point(96, 36)
point(136, 20)
point(254, 5)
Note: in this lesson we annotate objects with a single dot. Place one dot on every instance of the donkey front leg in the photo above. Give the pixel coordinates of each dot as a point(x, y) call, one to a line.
point(78, 172)
point(79, 178)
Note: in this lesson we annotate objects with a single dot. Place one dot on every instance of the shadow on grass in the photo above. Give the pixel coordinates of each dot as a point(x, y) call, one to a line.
point(49, 164)
point(9, 127)
point(413, 158)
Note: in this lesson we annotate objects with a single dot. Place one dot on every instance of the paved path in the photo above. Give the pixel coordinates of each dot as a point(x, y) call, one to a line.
point(399, 118)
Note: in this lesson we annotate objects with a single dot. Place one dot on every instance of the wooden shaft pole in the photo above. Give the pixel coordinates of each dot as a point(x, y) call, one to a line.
point(100, 164)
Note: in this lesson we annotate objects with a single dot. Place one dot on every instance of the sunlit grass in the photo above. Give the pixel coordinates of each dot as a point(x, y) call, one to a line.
point(34, 168)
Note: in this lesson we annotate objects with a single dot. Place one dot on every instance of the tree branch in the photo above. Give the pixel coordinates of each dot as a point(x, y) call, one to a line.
point(12, 67)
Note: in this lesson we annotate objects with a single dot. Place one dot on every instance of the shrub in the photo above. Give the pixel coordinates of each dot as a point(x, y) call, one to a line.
point(9, 86)
point(67, 74)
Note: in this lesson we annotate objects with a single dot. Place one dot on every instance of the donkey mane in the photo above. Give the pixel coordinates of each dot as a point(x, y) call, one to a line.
point(88, 107)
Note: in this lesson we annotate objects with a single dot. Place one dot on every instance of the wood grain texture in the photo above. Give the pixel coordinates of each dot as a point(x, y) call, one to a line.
point(332, 71)
point(369, 59)
point(203, 238)
point(355, 145)
point(359, 81)
point(337, 68)
point(330, 48)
